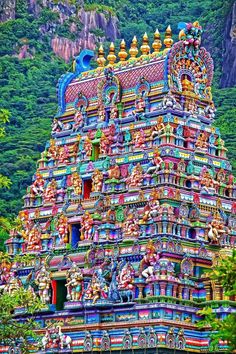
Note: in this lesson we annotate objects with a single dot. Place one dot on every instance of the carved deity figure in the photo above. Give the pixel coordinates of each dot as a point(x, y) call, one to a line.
point(97, 288)
point(216, 230)
point(86, 226)
point(201, 141)
point(139, 104)
point(76, 183)
point(57, 126)
point(63, 228)
point(150, 210)
point(114, 112)
point(131, 225)
point(50, 192)
point(87, 146)
point(97, 179)
point(52, 153)
point(63, 154)
point(136, 177)
point(13, 284)
point(139, 139)
point(33, 239)
point(155, 163)
point(207, 181)
point(105, 145)
point(114, 172)
point(78, 119)
point(43, 281)
point(158, 128)
point(149, 260)
point(125, 277)
point(74, 283)
point(37, 188)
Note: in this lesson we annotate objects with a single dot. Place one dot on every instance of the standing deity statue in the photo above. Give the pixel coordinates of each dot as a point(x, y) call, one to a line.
point(76, 183)
point(74, 283)
point(63, 228)
point(43, 281)
point(87, 146)
point(148, 262)
point(86, 226)
point(97, 179)
point(78, 119)
point(105, 145)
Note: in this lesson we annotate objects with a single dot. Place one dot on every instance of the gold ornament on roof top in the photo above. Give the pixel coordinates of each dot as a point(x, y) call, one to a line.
point(133, 49)
point(145, 48)
point(122, 53)
point(111, 56)
point(168, 41)
point(156, 45)
point(101, 60)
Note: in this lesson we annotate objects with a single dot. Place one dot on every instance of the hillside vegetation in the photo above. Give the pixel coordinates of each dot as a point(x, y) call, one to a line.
point(28, 86)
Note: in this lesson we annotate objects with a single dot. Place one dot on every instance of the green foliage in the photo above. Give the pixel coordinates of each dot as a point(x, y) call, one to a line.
point(13, 332)
point(224, 329)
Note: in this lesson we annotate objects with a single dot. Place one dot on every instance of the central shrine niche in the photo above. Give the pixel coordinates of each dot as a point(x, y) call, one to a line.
point(133, 199)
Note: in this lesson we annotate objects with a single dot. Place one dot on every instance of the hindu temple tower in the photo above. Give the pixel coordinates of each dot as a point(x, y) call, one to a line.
point(133, 200)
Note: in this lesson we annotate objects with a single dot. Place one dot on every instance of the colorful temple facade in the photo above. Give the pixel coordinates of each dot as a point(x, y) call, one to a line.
point(132, 202)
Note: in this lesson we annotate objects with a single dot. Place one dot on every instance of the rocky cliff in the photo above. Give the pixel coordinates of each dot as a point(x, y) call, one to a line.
point(81, 29)
point(7, 10)
point(87, 38)
point(229, 57)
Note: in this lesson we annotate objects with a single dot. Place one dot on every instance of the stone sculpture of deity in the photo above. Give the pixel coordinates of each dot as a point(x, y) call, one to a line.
point(43, 281)
point(74, 283)
point(149, 260)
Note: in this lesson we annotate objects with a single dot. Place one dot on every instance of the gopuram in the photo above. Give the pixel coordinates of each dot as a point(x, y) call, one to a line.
point(132, 202)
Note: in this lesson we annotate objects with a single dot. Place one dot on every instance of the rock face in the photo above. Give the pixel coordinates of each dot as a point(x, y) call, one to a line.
point(91, 20)
point(93, 27)
point(7, 10)
point(229, 57)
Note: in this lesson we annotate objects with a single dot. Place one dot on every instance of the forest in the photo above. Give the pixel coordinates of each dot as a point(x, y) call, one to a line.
point(28, 85)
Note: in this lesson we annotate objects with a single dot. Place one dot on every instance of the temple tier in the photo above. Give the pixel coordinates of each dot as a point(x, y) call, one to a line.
point(133, 200)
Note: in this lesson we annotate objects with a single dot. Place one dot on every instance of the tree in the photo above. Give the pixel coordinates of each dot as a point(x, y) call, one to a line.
point(4, 118)
point(222, 329)
point(16, 333)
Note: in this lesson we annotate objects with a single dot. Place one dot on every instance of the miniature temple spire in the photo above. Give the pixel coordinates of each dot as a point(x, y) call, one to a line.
point(133, 49)
point(145, 48)
point(157, 44)
point(122, 53)
point(101, 60)
point(111, 56)
point(168, 41)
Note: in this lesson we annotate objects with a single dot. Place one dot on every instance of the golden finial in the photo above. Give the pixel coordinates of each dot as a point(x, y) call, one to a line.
point(168, 41)
point(122, 53)
point(101, 60)
point(111, 56)
point(133, 49)
point(156, 45)
point(145, 49)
